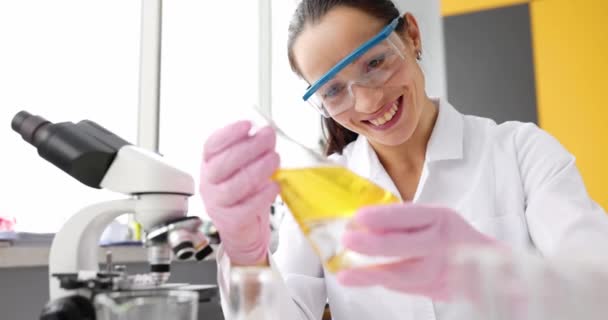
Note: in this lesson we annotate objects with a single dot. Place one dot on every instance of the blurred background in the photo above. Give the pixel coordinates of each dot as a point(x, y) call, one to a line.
point(541, 61)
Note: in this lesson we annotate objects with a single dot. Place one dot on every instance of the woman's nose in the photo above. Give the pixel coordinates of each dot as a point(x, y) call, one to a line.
point(366, 98)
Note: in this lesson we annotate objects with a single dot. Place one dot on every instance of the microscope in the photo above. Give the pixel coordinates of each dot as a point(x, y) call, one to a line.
point(157, 195)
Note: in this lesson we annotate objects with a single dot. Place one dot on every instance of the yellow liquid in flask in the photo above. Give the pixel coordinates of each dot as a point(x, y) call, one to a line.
point(320, 196)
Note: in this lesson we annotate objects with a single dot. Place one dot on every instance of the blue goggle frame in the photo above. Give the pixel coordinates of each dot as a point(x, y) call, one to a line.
point(351, 57)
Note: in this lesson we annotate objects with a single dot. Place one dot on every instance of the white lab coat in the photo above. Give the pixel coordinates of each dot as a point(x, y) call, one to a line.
point(512, 181)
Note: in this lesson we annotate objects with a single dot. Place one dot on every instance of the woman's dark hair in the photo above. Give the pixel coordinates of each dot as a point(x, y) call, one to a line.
point(311, 12)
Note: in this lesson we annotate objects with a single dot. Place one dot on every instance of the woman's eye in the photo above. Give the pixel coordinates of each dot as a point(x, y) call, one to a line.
point(332, 91)
point(375, 63)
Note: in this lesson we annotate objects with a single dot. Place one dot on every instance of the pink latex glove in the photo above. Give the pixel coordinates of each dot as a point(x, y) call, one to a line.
point(237, 190)
point(420, 234)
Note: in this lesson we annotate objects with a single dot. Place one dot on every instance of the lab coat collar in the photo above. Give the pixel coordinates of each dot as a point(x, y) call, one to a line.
point(445, 143)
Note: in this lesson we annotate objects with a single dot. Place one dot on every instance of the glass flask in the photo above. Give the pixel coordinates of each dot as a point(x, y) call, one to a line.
point(252, 294)
point(147, 305)
point(323, 196)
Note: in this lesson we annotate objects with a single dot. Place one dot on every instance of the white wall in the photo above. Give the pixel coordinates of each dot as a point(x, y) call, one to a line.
point(428, 14)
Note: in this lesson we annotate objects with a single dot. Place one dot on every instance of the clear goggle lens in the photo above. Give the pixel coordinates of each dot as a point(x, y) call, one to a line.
point(373, 69)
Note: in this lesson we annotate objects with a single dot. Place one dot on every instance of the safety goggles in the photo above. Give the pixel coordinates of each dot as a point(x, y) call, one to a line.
point(372, 65)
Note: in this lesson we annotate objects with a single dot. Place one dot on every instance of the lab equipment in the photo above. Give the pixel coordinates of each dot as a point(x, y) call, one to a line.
point(149, 305)
point(499, 285)
point(323, 196)
point(376, 63)
point(158, 195)
point(252, 294)
point(323, 200)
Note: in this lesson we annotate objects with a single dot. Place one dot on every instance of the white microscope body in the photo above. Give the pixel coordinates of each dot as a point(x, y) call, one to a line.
point(157, 194)
point(160, 195)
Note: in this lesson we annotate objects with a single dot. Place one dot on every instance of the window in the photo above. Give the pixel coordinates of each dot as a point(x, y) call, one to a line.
point(209, 76)
point(66, 60)
point(73, 60)
point(295, 116)
point(69, 60)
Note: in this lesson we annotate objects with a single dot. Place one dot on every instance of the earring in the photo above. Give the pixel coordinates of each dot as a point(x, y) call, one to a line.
point(419, 55)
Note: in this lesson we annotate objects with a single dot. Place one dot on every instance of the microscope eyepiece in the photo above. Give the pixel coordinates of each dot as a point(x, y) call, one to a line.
point(84, 150)
point(31, 128)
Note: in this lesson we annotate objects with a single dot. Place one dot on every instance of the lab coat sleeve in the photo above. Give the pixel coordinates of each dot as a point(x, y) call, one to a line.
point(302, 293)
point(561, 216)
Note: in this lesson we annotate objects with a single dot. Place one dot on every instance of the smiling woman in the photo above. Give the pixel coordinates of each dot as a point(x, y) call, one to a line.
point(379, 73)
point(463, 180)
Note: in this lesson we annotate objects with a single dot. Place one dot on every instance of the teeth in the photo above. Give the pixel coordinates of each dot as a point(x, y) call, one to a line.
point(386, 116)
point(394, 109)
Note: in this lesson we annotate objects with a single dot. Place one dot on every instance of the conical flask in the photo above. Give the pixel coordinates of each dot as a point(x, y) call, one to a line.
point(323, 196)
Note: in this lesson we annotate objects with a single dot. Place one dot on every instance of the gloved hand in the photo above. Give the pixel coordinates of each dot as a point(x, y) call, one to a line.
point(421, 235)
point(237, 190)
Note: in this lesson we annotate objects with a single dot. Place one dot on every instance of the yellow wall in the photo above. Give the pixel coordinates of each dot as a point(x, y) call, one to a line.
point(571, 67)
point(452, 7)
point(570, 44)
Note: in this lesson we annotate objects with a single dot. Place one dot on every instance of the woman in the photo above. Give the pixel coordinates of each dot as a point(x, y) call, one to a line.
point(463, 180)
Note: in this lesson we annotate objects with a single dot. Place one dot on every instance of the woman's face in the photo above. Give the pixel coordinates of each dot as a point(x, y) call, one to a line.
point(386, 115)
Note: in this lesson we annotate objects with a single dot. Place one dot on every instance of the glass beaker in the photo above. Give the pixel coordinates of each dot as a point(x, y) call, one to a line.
point(147, 305)
point(323, 196)
point(252, 294)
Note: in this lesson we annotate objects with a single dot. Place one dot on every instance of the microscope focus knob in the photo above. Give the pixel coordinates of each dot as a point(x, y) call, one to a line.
point(69, 308)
